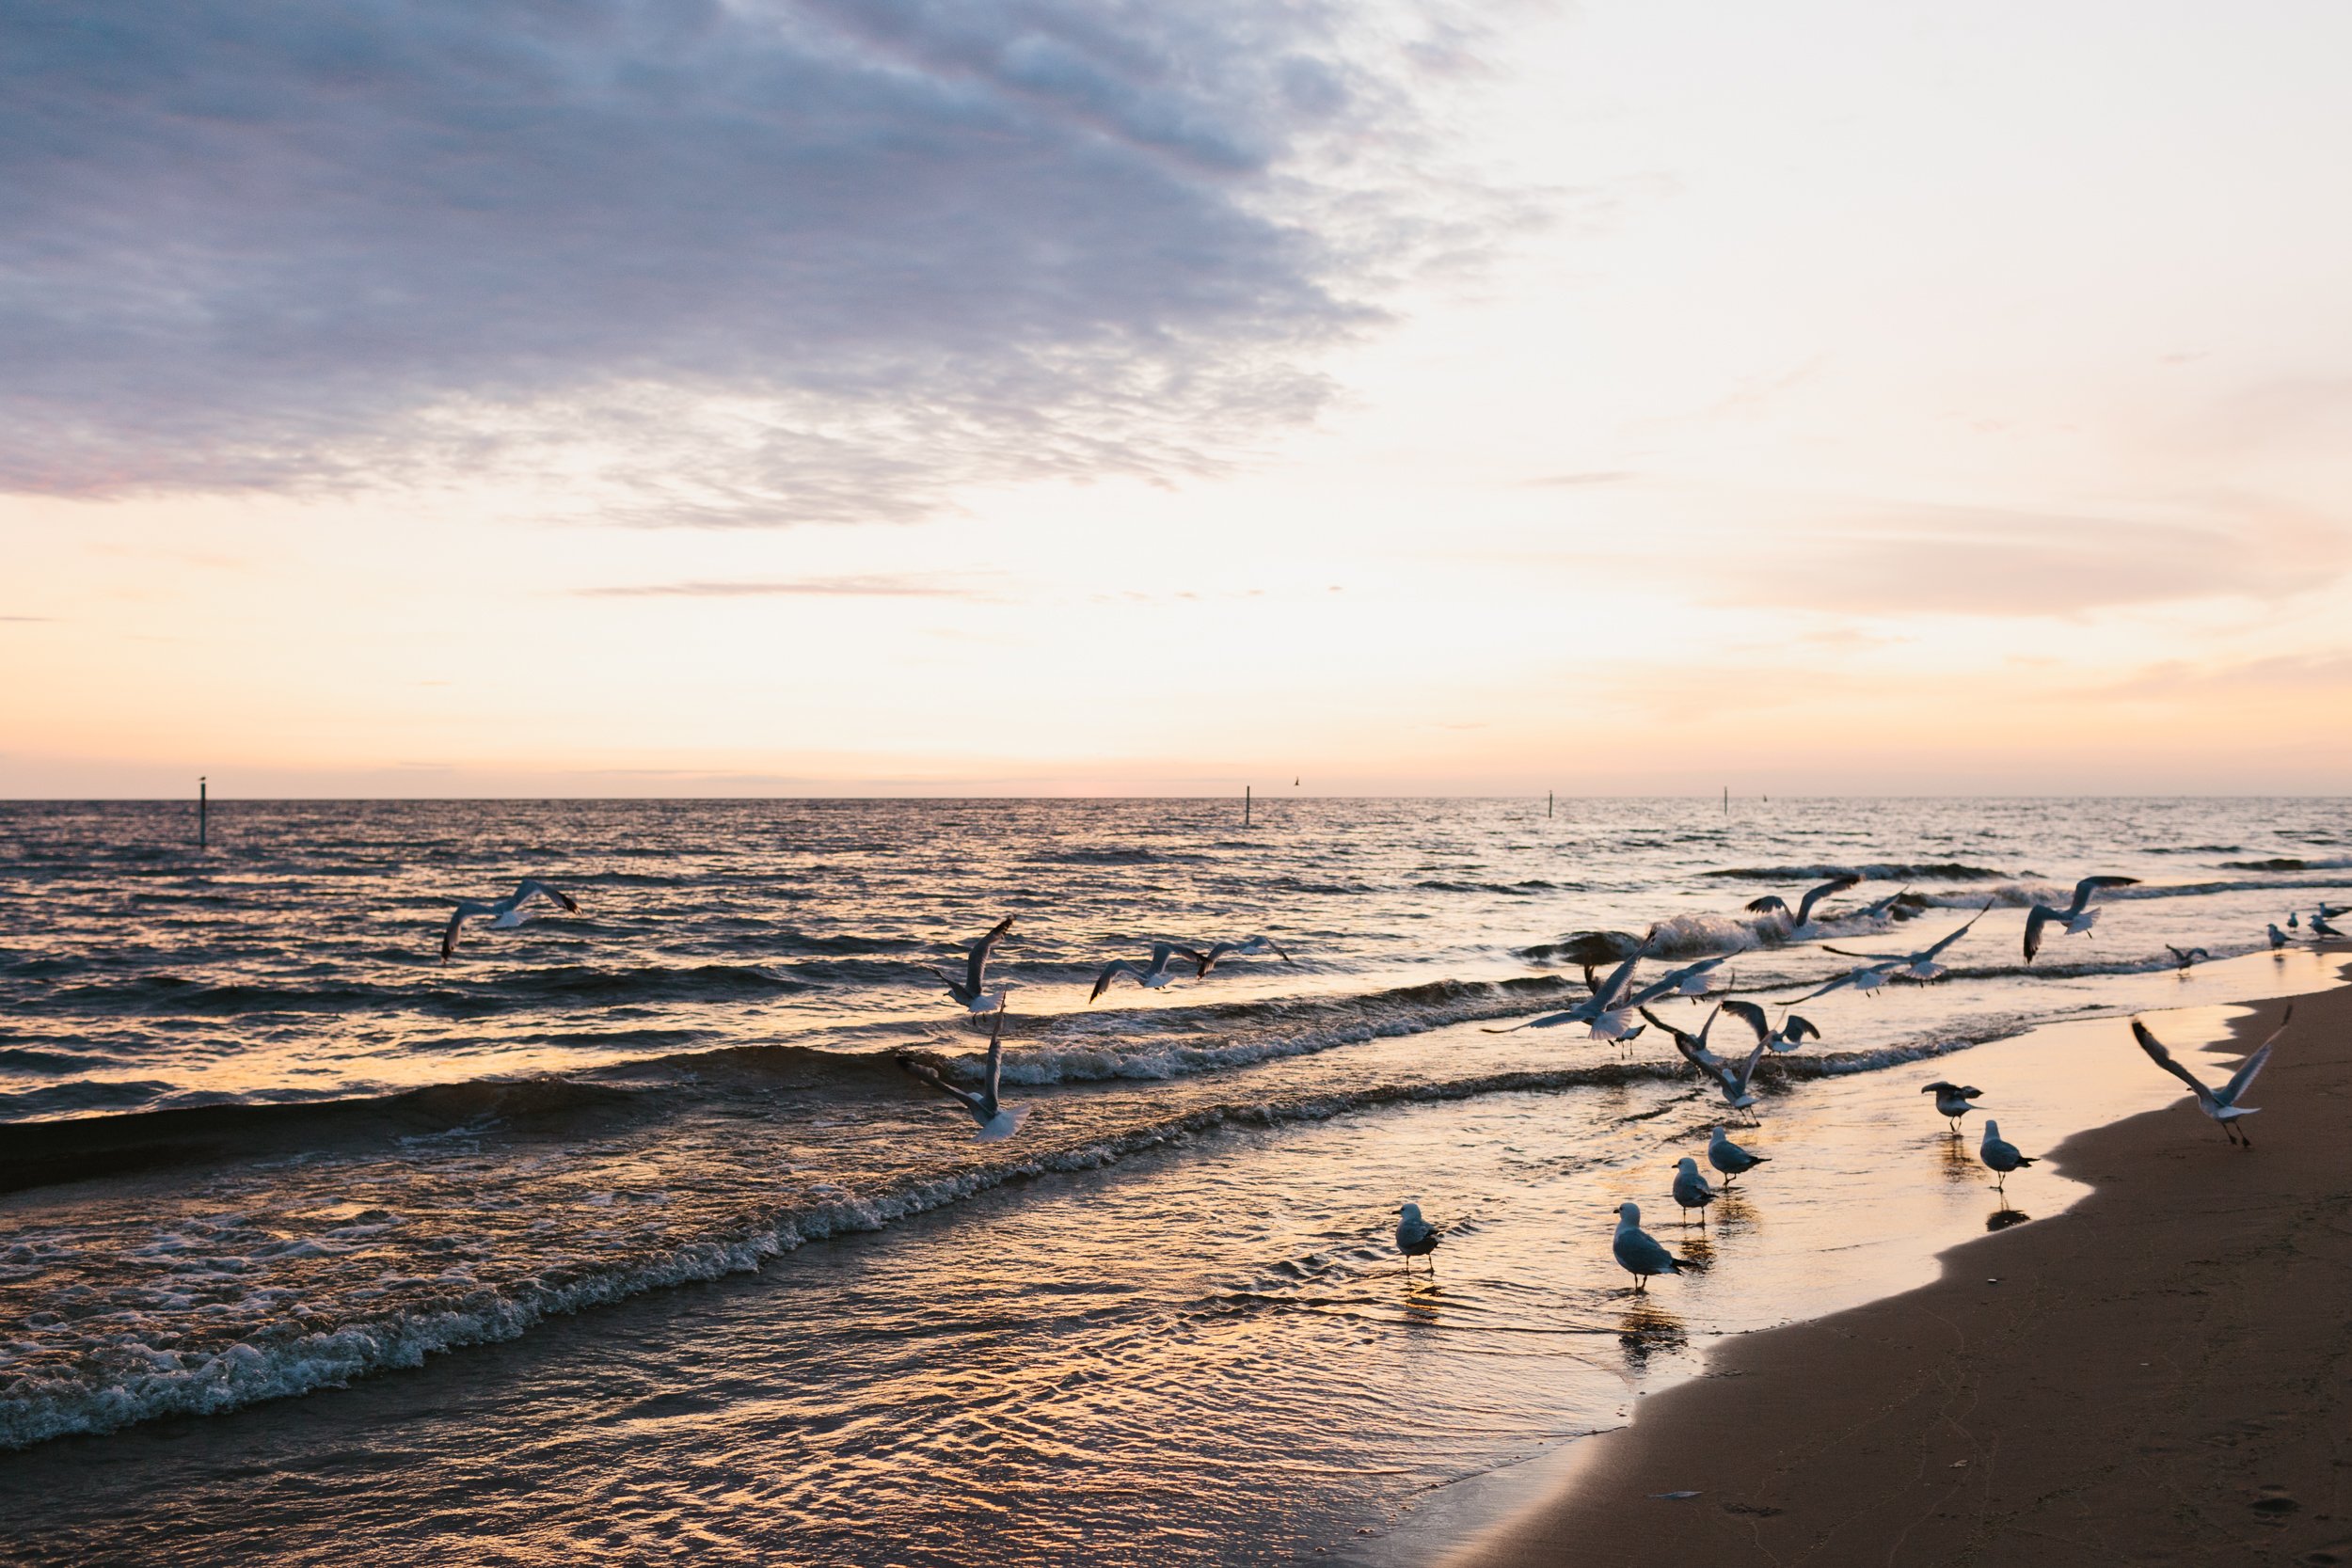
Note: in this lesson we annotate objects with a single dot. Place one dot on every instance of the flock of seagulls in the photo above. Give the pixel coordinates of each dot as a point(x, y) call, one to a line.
point(1607, 1014)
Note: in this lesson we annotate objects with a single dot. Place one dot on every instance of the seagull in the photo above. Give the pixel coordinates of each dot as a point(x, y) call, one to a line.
point(2328, 911)
point(2320, 927)
point(996, 1121)
point(1867, 978)
point(2078, 915)
point(2186, 955)
point(1692, 1190)
point(1889, 907)
point(1606, 1010)
point(2294, 920)
point(972, 990)
point(1416, 1237)
point(2278, 938)
point(505, 914)
point(1999, 1155)
point(1952, 1099)
point(1637, 1251)
point(1773, 904)
point(1918, 966)
point(1152, 976)
point(1732, 1082)
point(1729, 1158)
point(1248, 947)
point(2221, 1103)
point(1791, 1034)
point(1691, 980)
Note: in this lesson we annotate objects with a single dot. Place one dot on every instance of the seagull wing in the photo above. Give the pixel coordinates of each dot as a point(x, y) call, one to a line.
point(2089, 885)
point(1740, 1075)
point(995, 1064)
point(1693, 1053)
point(1216, 951)
point(1813, 895)
point(1874, 958)
point(1772, 903)
point(976, 968)
point(928, 1075)
point(2163, 1058)
point(1684, 1042)
point(1795, 1029)
point(1844, 979)
point(2243, 1079)
point(1951, 937)
point(448, 932)
point(529, 885)
point(2036, 918)
point(1615, 987)
point(1112, 971)
point(1749, 1014)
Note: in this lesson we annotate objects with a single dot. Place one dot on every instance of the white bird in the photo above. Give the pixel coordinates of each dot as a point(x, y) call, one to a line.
point(1692, 1190)
point(1691, 980)
point(997, 1120)
point(2185, 957)
point(1152, 976)
point(1920, 966)
point(2321, 927)
point(1731, 1081)
point(1889, 907)
point(1637, 1251)
point(1729, 1158)
point(1773, 904)
point(2278, 938)
point(1952, 1099)
point(1999, 1155)
point(505, 914)
point(1416, 1237)
point(1865, 979)
point(971, 988)
point(1248, 947)
point(1790, 1033)
point(1607, 1010)
point(2221, 1103)
point(2079, 916)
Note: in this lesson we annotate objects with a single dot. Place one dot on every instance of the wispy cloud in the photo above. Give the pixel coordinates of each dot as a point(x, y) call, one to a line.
point(1596, 476)
point(27, 620)
point(768, 262)
point(865, 587)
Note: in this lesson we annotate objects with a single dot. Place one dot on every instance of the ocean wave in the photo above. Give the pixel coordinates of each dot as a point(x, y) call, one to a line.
point(446, 994)
point(1891, 871)
point(2288, 862)
point(1518, 889)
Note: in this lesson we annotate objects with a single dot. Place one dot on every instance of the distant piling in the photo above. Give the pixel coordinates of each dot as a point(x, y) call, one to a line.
point(1244, 805)
point(1727, 799)
point(1547, 803)
point(204, 812)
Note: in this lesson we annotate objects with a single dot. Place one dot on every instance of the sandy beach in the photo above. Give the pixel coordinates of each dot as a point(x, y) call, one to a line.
point(2157, 1376)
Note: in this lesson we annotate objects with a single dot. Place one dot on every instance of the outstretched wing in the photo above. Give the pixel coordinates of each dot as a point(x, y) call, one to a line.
point(1749, 1014)
point(2163, 1058)
point(1216, 951)
point(1874, 958)
point(1112, 971)
point(995, 1064)
point(2036, 918)
point(2243, 1079)
point(925, 1073)
point(529, 885)
point(1746, 1069)
point(1692, 1052)
point(1813, 895)
point(1685, 1043)
point(976, 968)
point(1952, 937)
point(2089, 885)
point(1770, 904)
point(1795, 1029)
point(448, 932)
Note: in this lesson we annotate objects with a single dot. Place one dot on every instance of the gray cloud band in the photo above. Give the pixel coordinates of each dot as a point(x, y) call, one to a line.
point(763, 264)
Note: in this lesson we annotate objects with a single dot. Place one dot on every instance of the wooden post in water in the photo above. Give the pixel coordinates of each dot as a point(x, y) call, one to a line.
point(1547, 803)
point(1727, 799)
point(203, 828)
point(1244, 805)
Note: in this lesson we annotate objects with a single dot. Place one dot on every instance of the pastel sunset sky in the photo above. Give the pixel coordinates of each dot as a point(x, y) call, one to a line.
point(1085, 396)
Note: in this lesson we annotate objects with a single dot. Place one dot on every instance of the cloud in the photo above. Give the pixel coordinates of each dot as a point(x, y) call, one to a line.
point(1596, 476)
point(765, 262)
point(2284, 675)
point(868, 587)
point(26, 620)
point(1982, 561)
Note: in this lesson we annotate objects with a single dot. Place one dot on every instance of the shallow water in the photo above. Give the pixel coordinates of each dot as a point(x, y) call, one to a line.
point(1167, 1315)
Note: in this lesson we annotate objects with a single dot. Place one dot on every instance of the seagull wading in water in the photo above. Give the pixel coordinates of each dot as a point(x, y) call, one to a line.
point(971, 988)
point(1416, 1237)
point(2079, 916)
point(1248, 947)
point(1692, 1190)
point(997, 1120)
point(2185, 957)
point(1790, 1033)
point(1920, 966)
point(2320, 927)
point(1152, 976)
point(504, 913)
point(1638, 1252)
point(2221, 1103)
point(1729, 1158)
point(1999, 1155)
point(1951, 1100)
point(2278, 938)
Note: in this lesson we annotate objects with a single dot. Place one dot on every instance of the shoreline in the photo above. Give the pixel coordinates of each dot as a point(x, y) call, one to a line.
point(2158, 1374)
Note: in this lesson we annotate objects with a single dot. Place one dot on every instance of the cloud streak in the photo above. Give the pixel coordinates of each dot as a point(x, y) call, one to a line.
point(767, 262)
point(866, 587)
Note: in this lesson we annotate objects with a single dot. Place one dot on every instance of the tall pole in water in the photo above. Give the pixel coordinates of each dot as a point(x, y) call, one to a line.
point(1244, 805)
point(1547, 803)
point(203, 828)
point(1727, 799)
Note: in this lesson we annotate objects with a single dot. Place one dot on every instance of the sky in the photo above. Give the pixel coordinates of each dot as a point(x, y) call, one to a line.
point(846, 397)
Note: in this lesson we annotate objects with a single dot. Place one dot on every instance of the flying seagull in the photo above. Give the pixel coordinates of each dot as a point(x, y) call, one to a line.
point(1790, 1033)
point(1920, 965)
point(1729, 1158)
point(505, 914)
point(1952, 1099)
point(997, 1121)
point(1890, 907)
point(1607, 1009)
point(1150, 976)
point(1867, 978)
point(2185, 957)
point(1731, 1081)
point(1692, 1190)
point(2079, 916)
point(1248, 947)
point(1999, 1155)
point(2221, 1103)
point(1691, 980)
point(1772, 903)
point(972, 990)
point(1416, 1237)
point(1637, 1251)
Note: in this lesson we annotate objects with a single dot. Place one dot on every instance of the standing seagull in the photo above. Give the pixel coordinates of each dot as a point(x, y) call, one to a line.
point(1918, 966)
point(2079, 916)
point(1951, 1100)
point(1729, 1158)
point(1772, 903)
point(2186, 956)
point(2278, 938)
point(2221, 1103)
point(1692, 1190)
point(1416, 1237)
point(1150, 976)
point(972, 990)
point(505, 914)
point(2320, 927)
point(1248, 947)
point(997, 1121)
point(1791, 1034)
point(1999, 1155)
point(1637, 1251)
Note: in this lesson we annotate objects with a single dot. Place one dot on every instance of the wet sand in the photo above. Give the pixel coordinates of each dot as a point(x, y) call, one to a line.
point(2161, 1374)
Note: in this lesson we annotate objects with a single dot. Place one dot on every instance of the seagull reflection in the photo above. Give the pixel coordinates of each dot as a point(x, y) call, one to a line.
point(1958, 1160)
point(1646, 1330)
point(2001, 1219)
